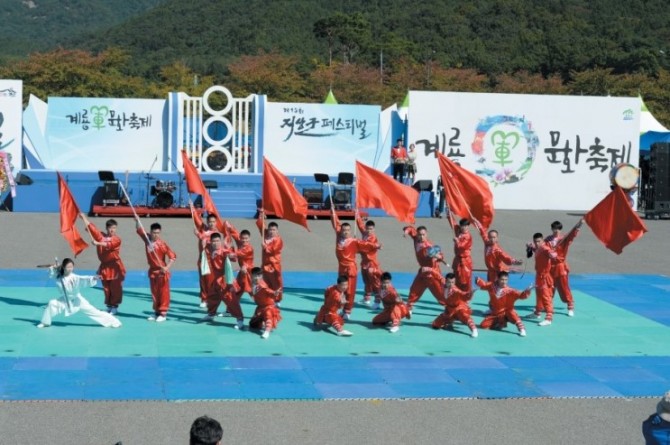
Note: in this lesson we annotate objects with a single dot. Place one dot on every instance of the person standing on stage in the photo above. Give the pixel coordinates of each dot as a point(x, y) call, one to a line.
point(224, 287)
point(112, 272)
point(272, 246)
point(462, 264)
point(559, 267)
point(544, 282)
point(495, 258)
point(203, 234)
point(398, 161)
point(429, 258)
point(160, 259)
point(245, 259)
point(370, 269)
point(71, 300)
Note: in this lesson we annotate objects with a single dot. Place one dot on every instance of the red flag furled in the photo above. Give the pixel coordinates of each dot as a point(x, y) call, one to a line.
point(374, 189)
point(280, 198)
point(614, 222)
point(69, 211)
point(195, 185)
point(467, 194)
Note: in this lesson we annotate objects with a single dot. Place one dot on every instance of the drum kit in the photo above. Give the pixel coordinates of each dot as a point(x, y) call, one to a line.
point(163, 191)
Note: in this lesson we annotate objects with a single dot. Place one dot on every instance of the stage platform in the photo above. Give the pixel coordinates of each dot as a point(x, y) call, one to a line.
point(143, 211)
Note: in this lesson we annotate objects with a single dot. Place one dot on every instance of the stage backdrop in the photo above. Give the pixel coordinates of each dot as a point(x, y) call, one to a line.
point(536, 152)
point(105, 134)
point(320, 138)
point(11, 129)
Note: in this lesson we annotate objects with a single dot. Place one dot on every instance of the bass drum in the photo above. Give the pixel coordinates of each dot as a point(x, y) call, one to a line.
point(164, 200)
point(625, 176)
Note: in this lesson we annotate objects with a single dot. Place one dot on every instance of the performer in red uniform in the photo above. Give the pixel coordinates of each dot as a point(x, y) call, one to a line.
point(462, 264)
point(224, 288)
point(559, 267)
point(399, 161)
point(429, 275)
point(160, 258)
point(370, 269)
point(206, 279)
point(267, 315)
point(394, 308)
point(272, 246)
point(346, 248)
point(112, 272)
point(495, 258)
point(334, 299)
point(456, 307)
point(501, 301)
point(245, 258)
point(544, 282)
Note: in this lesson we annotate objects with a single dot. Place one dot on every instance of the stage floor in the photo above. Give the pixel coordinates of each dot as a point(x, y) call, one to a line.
point(615, 346)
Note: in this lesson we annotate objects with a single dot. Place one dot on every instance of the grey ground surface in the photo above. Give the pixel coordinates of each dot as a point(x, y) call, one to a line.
point(30, 239)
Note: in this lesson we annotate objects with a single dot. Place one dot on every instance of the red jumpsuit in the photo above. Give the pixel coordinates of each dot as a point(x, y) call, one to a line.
point(394, 308)
point(544, 282)
point(345, 251)
point(495, 258)
point(501, 301)
point(157, 254)
point(370, 268)
point(266, 310)
point(245, 258)
point(334, 300)
point(429, 275)
point(112, 271)
point(462, 264)
point(456, 307)
point(271, 264)
point(206, 281)
point(560, 268)
point(220, 290)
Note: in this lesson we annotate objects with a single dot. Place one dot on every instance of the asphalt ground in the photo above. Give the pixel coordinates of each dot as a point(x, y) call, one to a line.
point(31, 239)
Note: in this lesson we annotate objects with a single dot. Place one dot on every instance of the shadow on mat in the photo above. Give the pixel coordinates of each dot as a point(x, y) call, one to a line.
point(17, 302)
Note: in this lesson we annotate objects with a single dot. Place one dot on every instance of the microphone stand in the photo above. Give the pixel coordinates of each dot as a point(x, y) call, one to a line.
point(149, 177)
point(179, 175)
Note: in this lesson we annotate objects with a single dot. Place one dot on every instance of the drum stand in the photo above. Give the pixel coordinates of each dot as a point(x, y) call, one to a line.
point(149, 178)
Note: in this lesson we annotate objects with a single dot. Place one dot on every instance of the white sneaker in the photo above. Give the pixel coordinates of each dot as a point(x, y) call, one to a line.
point(116, 325)
point(265, 334)
point(221, 314)
point(239, 325)
point(161, 319)
point(207, 318)
point(346, 316)
point(544, 322)
point(42, 325)
point(344, 333)
point(394, 329)
point(278, 303)
point(571, 313)
point(203, 304)
point(474, 333)
point(522, 332)
point(366, 301)
point(151, 318)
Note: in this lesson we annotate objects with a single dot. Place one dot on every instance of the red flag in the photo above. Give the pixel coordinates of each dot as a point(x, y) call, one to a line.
point(69, 211)
point(467, 194)
point(374, 189)
point(195, 185)
point(280, 198)
point(614, 222)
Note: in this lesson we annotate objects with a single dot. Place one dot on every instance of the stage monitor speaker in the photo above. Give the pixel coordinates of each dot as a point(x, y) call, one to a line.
point(659, 171)
point(344, 178)
point(342, 197)
point(423, 185)
point(321, 177)
point(111, 194)
point(105, 175)
point(313, 196)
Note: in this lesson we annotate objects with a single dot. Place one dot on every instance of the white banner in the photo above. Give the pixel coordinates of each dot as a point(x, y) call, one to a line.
point(11, 126)
point(105, 134)
point(319, 138)
point(536, 152)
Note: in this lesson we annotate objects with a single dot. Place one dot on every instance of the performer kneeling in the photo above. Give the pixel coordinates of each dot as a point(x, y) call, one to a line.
point(267, 314)
point(394, 308)
point(501, 302)
point(335, 298)
point(456, 307)
point(71, 301)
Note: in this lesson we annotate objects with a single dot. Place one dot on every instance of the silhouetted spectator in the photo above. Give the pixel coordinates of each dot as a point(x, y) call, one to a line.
point(206, 431)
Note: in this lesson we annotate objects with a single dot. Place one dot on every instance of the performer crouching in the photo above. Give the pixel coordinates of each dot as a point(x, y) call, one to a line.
point(394, 308)
point(267, 314)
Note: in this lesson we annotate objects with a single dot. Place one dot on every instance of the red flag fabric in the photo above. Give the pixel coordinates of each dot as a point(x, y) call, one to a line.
point(195, 185)
point(375, 189)
point(614, 222)
point(280, 198)
point(69, 211)
point(467, 194)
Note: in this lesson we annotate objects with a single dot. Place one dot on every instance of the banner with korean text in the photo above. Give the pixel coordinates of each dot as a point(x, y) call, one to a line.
point(105, 134)
point(535, 151)
point(11, 130)
point(320, 138)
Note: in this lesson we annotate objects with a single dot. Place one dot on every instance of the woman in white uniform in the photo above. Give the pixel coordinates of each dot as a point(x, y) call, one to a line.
point(71, 301)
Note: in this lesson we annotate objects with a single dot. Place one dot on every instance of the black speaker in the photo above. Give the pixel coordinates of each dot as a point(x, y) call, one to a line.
point(423, 185)
point(344, 178)
point(341, 197)
point(659, 172)
point(111, 191)
point(313, 196)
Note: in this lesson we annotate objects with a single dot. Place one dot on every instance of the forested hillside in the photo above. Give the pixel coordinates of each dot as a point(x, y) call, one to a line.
point(367, 51)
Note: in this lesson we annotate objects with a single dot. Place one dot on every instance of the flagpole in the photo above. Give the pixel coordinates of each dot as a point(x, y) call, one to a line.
point(137, 219)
